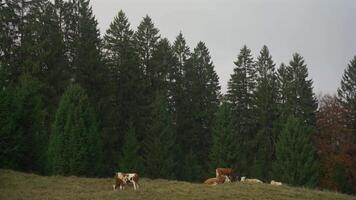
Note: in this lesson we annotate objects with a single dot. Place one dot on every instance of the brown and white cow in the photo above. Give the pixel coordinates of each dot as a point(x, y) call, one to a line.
point(217, 180)
point(119, 181)
point(132, 178)
point(122, 179)
point(225, 172)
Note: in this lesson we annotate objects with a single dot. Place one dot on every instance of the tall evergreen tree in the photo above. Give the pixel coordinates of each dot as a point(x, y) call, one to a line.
point(296, 162)
point(179, 103)
point(347, 91)
point(266, 112)
point(159, 142)
point(223, 139)
point(24, 126)
point(75, 144)
point(126, 83)
point(241, 89)
point(146, 40)
point(299, 99)
point(203, 91)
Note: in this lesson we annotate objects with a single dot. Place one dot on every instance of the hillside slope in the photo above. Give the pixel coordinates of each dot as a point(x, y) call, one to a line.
point(16, 185)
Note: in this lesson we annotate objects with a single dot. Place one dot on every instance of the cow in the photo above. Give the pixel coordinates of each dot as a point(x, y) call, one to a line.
point(217, 180)
point(119, 181)
point(275, 183)
point(132, 178)
point(226, 172)
point(249, 180)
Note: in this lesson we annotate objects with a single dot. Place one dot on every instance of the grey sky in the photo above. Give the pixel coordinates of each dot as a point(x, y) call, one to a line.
point(322, 31)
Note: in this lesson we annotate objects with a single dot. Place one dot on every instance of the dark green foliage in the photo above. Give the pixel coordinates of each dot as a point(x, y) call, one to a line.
point(298, 97)
point(130, 160)
point(347, 91)
point(159, 141)
point(163, 68)
point(146, 40)
point(125, 76)
point(266, 112)
point(342, 180)
point(75, 145)
point(241, 89)
point(202, 93)
point(223, 147)
point(296, 161)
point(23, 127)
point(179, 103)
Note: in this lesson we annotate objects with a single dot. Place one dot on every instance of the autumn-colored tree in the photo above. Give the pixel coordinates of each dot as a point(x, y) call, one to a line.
point(336, 149)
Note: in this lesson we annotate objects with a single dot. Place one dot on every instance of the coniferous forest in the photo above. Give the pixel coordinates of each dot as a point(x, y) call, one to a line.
point(73, 102)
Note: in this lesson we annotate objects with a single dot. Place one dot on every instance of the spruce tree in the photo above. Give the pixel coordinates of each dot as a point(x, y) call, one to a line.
point(266, 112)
point(159, 142)
point(23, 128)
point(223, 139)
point(202, 93)
point(240, 93)
point(126, 84)
point(296, 161)
point(146, 40)
point(130, 160)
point(299, 99)
point(75, 143)
point(347, 91)
point(179, 102)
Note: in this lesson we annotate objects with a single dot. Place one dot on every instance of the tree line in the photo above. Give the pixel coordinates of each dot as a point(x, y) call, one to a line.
point(75, 103)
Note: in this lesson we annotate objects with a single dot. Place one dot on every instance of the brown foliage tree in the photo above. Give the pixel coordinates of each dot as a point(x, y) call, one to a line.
point(336, 146)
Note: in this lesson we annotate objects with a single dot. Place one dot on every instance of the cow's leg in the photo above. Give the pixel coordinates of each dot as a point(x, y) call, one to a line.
point(134, 184)
point(113, 187)
point(217, 173)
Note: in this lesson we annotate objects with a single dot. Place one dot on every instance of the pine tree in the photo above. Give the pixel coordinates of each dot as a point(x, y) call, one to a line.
point(130, 160)
point(164, 66)
point(223, 139)
point(75, 144)
point(299, 98)
point(203, 92)
point(296, 161)
point(146, 40)
point(347, 91)
point(179, 102)
point(125, 82)
point(241, 89)
point(159, 142)
point(23, 128)
point(266, 112)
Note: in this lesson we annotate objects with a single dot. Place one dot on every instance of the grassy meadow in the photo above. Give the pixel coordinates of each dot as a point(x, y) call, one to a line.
point(18, 185)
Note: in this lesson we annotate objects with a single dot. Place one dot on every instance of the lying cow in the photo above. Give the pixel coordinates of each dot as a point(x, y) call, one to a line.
point(217, 180)
point(275, 183)
point(122, 179)
point(223, 171)
point(250, 180)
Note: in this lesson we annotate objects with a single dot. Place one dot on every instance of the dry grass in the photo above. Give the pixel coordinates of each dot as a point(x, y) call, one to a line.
point(16, 185)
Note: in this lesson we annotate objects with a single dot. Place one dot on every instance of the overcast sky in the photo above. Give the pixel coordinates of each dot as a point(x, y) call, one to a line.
point(322, 31)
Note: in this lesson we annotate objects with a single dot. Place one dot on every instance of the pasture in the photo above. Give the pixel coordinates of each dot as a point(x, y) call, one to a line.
point(17, 185)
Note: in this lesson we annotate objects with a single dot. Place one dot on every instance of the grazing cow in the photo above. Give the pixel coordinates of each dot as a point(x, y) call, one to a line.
point(132, 178)
point(249, 180)
point(217, 180)
point(275, 183)
point(119, 181)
